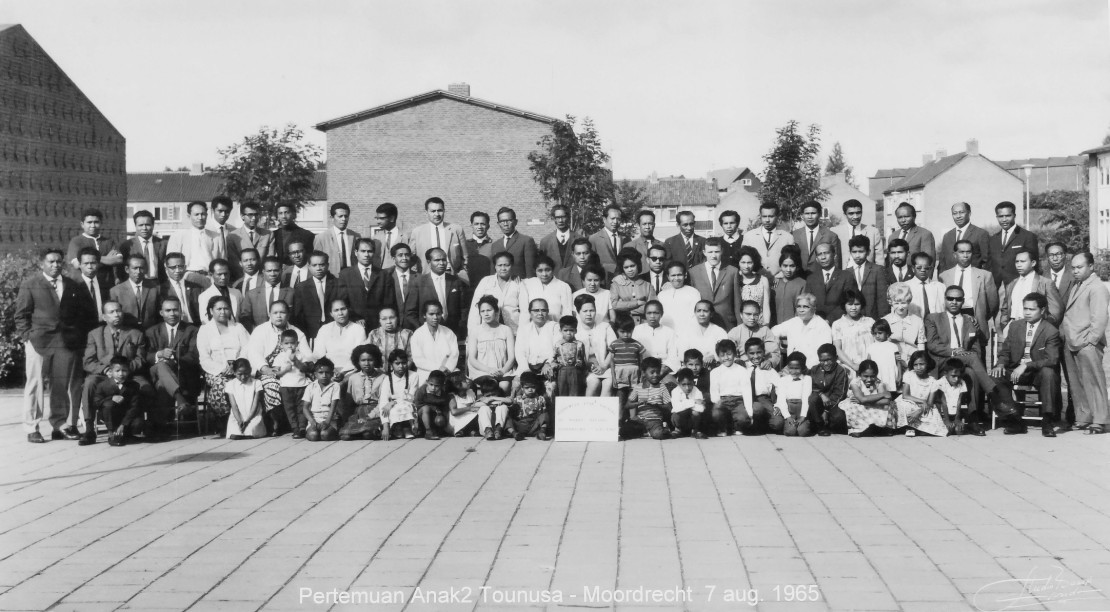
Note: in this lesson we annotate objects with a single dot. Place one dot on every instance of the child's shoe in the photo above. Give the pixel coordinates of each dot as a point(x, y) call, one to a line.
point(498, 432)
point(519, 437)
point(911, 432)
point(542, 437)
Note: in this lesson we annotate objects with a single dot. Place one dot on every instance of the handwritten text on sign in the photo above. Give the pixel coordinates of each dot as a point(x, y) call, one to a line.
point(586, 419)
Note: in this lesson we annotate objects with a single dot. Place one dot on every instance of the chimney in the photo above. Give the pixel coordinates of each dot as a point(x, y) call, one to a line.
point(926, 158)
point(197, 170)
point(941, 153)
point(459, 89)
point(973, 147)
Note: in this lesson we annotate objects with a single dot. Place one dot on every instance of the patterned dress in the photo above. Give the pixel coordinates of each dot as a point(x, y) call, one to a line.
point(862, 416)
point(930, 422)
point(570, 358)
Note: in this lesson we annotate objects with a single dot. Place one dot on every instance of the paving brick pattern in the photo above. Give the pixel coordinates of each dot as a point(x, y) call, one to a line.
point(873, 524)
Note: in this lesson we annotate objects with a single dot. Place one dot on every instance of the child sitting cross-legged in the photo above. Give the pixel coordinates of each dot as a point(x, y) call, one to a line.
point(649, 403)
point(687, 405)
point(951, 396)
point(529, 411)
point(320, 403)
point(433, 404)
point(868, 407)
point(492, 407)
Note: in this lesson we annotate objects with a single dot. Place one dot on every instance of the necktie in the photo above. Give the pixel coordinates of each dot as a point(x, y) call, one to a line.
point(506, 242)
point(811, 245)
point(713, 277)
point(139, 297)
point(223, 242)
point(753, 387)
point(1005, 237)
point(658, 282)
point(1056, 279)
point(854, 231)
point(961, 283)
point(366, 278)
point(184, 304)
point(956, 332)
point(689, 251)
point(1028, 342)
point(173, 333)
point(859, 277)
point(924, 298)
point(904, 232)
point(251, 234)
point(224, 292)
point(388, 240)
point(562, 241)
point(404, 284)
point(828, 276)
point(440, 289)
point(616, 247)
point(342, 250)
point(767, 240)
point(151, 265)
point(959, 233)
point(438, 245)
point(115, 342)
point(323, 306)
point(92, 292)
point(54, 285)
point(272, 298)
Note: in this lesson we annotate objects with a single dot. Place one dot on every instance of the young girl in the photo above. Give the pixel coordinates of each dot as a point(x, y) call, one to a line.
point(529, 408)
point(625, 355)
point(868, 406)
point(790, 282)
point(362, 419)
point(592, 278)
point(244, 394)
point(754, 285)
point(570, 360)
point(792, 391)
point(288, 362)
point(950, 396)
point(463, 419)
point(395, 396)
point(885, 354)
point(852, 332)
point(915, 408)
point(320, 401)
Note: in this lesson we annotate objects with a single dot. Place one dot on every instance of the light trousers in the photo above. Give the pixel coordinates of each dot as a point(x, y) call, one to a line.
point(50, 376)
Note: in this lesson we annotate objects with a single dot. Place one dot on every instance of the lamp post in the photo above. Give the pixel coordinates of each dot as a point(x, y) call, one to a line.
point(1028, 168)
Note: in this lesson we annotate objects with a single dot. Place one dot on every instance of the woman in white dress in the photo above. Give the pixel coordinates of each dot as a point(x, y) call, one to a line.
point(508, 291)
point(244, 395)
point(490, 347)
point(219, 343)
point(596, 337)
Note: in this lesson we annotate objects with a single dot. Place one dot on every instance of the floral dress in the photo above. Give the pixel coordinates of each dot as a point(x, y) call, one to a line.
point(930, 422)
point(861, 416)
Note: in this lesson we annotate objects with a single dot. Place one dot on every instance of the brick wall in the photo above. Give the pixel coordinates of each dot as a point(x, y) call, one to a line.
point(58, 154)
point(473, 157)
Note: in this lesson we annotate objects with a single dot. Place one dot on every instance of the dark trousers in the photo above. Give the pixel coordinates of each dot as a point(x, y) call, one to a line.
point(1047, 382)
point(804, 426)
point(730, 414)
point(830, 416)
point(88, 407)
point(530, 425)
point(291, 402)
point(115, 414)
point(632, 429)
point(687, 421)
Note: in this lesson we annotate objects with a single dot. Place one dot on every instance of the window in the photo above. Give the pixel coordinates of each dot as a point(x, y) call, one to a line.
point(746, 182)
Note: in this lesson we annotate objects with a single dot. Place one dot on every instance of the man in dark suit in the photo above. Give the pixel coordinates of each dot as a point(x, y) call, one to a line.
point(1058, 269)
point(250, 265)
point(686, 246)
point(256, 303)
point(520, 246)
point(137, 295)
point(47, 322)
point(104, 344)
point(869, 277)
point(437, 285)
point(479, 249)
point(557, 244)
point(918, 239)
point(606, 242)
point(364, 287)
point(964, 230)
point(812, 233)
point(717, 283)
point(145, 243)
point(581, 250)
point(1029, 355)
point(731, 238)
point(1005, 245)
point(118, 398)
point(645, 221)
point(402, 275)
point(966, 344)
point(289, 232)
point(312, 297)
point(297, 270)
point(897, 268)
point(95, 290)
point(248, 236)
point(656, 273)
point(187, 293)
point(829, 283)
point(173, 363)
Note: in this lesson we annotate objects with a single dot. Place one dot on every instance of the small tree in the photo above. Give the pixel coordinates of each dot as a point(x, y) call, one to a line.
point(837, 164)
point(569, 168)
point(270, 167)
point(792, 176)
point(1068, 214)
point(1106, 138)
point(631, 198)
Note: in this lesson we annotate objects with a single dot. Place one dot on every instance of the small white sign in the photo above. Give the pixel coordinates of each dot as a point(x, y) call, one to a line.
point(586, 419)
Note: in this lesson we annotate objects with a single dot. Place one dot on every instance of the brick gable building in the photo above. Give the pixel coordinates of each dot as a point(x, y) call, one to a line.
point(470, 152)
point(58, 154)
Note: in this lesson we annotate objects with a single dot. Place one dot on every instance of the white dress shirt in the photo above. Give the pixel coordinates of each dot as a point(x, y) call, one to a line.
point(1023, 286)
point(183, 296)
point(94, 287)
point(660, 342)
point(58, 284)
point(557, 293)
point(535, 345)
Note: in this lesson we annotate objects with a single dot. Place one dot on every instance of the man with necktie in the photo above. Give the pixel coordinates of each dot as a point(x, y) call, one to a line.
point(520, 246)
point(812, 233)
point(288, 232)
point(440, 286)
point(137, 295)
point(1030, 355)
point(104, 344)
point(557, 244)
point(152, 248)
point(854, 226)
point(918, 239)
point(479, 249)
point(1008, 242)
point(897, 268)
point(964, 230)
point(198, 245)
point(311, 297)
point(338, 241)
point(173, 363)
point(187, 293)
point(388, 233)
point(656, 274)
point(643, 242)
point(438, 233)
point(248, 236)
point(607, 242)
point(256, 302)
point(1084, 333)
point(828, 283)
point(1059, 269)
point(686, 246)
point(364, 287)
point(768, 239)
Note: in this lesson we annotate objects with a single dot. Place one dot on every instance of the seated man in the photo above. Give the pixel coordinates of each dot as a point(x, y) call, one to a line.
point(105, 344)
point(174, 364)
point(1029, 355)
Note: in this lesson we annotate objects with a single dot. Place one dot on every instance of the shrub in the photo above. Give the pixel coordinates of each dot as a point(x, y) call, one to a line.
point(13, 269)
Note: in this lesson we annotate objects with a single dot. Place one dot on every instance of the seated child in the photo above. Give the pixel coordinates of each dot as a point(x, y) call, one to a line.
point(868, 407)
point(687, 405)
point(694, 361)
point(361, 418)
point(793, 392)
point(433, 403)
point(649, 402)
point(915, 408)
point(117, 399)
point(288, 362)
point(570, 360)
point(463, 419)
point(830, 387)
point(529, 414)
point(492, 406)
point(950, 398)
point(395, 398)
point(320, 402)
point(244, 396)
point(730, 386)
point(886, 354)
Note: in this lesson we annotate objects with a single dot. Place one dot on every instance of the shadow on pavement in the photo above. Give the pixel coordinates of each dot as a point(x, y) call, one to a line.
point(191, 457)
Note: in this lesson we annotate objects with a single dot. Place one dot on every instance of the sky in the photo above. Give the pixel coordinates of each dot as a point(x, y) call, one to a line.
point(677, 88)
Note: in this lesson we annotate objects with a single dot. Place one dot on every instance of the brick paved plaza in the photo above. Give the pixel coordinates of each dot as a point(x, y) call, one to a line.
point(875, 524)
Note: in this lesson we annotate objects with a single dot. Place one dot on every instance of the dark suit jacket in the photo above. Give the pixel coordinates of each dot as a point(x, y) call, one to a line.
point(676, 248)
point(89, 312)
point(401, 293)
point(888, 274)
point(283, 237)
point(103, 393)
point(730, 253)
point(980, 247)
point(601, 245)
point(571, 276)
point(824, 236)
point(287, 275)
point(829, 295)
point(938, 333)
point(479, 262)
point(133, 316)
point(158, 252)
point(1002, 255)
point(874, 287)
point(421, 290)
point(365, 300)
point(191, 301)
point(255, 309)
point(646, 277)
point(725, 296)
point(184, 346)
point(642, 246)
point(523, 250)
point(99, 350)
point(306, 305)
point(549, 245)
point(46, 321)
point(241, 239)
point(1043, 353)
point(920, 241)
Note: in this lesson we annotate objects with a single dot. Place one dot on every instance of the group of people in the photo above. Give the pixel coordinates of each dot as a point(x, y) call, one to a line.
point(432, 332)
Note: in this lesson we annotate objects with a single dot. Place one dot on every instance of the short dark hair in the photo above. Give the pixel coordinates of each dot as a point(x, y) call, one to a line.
point(750, 342)
point(543, 258)
point(562, 207)
point(651, 362)
point(429, 304)
point(249, 250)
point(853, 203)
point(1030, 252)
point(142, 214)
point(436, 377)
point(530, 379)
point(769, 206)
point(433, 200)
point(684, 374)
point(644, 212)
point(827, 349)
point(219, 261)
point(898, 243)
point(859, 241)
point(952, 365)
point(339, 206)
point(319, 254)
point(479, 213)
point(190, 205)
point(929, 363)
point(868, 365)
point(388, 209)
point(812, 204)
point(290, 334)
point(365, 240)
point(323, 362)
point(400, 245)
point(613, 207)
point(713, 241)
point(222, 200)
point(625, 323)
point(852, 295)
point(725, 346)
point(797, 357)
point(683, 213)
point(1056, 243)
point(955, 247)
point(120, 360)
point(251, 204)
point(496, 256)
point(921, 254)
point(95, 212)
point(568, 321)
point(580, 241)
point(506, 209)
point(1003, 205)
point(88, 251)
point(880, 326)
point(728, 213)
point(692, 354)
point(906, 205)
point(1039, 298)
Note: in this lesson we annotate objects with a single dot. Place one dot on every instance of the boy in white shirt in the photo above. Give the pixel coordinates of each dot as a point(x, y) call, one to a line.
point(289, 367)
point(687, 406)
point(319, 403)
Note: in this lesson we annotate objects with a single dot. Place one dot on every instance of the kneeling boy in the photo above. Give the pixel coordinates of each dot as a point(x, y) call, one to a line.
point(649, 402)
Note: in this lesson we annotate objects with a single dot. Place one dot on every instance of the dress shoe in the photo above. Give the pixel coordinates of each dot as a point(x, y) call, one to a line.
point(824, 432)
point(542, 437)
point(431, 436)
point(519, 437)
point(70, 433)
point(35, 438)
point(498, 432)
point(299, 434)
point(57, 435)
point(115, 439)
point(1048, 433)
point(700, 436)
point(1015, 429)
point(88, 438)
point(488, 433)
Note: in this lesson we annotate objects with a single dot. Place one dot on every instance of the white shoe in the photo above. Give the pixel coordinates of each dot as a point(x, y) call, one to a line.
point(910, 433)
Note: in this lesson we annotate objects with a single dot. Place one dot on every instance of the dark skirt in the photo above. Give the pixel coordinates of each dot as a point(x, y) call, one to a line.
point(570, 382)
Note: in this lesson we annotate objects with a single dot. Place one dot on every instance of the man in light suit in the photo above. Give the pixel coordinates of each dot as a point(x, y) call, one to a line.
point(113, 339)
point(919, 239)
point(387, 233)
point(1010, 239)
point(173, 361)
point(198, 245)
point(854, 226)
point(812, 233)
point(1029, 355)
point(520, 246)
point(1028, 281)
point(438, 233)
point(187, 293)
point(403, 277)
point(977, 284)
point(870, 280)
point(1084, 334)
point(581, 250)
point(686, 246)
point(964, 230)
point(645, 220)
point(768, 239)
point(1059, 268)
point(137, 295)
point(338, 241)
point(248, 236)
point(256, 302)
point(438, 285)
point(364, 287)
point(46, 320)
point(717, 283)
point(312, 297)
point(145, 243)
point(829, 284)
point(557, 244)
point(606, 242)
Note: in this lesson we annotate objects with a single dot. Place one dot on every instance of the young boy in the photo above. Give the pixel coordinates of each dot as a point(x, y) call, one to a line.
point(870, 280)
point(793, 392)
point(117, 398)
point(951, 397)
point(625, 355)
point(529, 408)
point(751, 314)
point(320, 402)
point(649, 403)
point(687, 406)
point(760, 378)
point(570, 360)
point(830, 387)
point(289, 366)
point(433, 403)
point(694, 361)
point(727, 384)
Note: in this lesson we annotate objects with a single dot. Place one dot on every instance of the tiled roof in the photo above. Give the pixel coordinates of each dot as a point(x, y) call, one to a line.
point(678, 192)
point(424, 97)
point(726, 176)
point(926, 173)
point(185, 187)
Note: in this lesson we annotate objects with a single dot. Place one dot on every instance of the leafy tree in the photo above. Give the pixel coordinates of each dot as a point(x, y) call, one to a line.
point(1066, 219)
point(632, 198)
point(569, 168)
point(837, 164)
point(1106, 138)
point(270, 167)
point(792, 176)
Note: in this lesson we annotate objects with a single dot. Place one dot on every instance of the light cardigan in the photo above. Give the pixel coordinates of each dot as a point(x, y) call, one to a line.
point(216, 349)
point(265, 338)
point(337, 343)
point(511, 299)
point(438, 352)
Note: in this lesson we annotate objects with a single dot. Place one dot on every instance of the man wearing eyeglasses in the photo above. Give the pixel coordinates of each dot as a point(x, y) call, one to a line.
point(535, 340)
point(250, 235)
point(656, 274)
point(557, 244)
point(186, 292)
